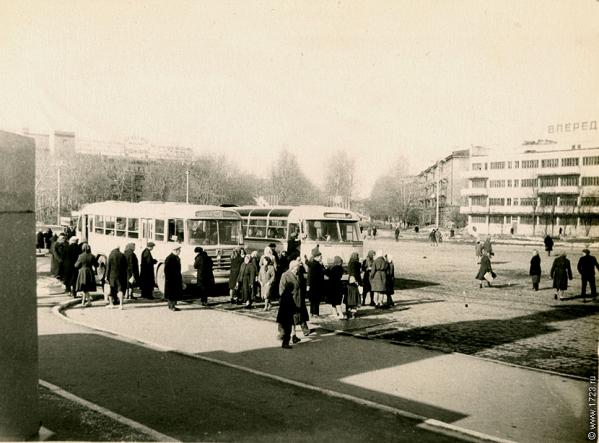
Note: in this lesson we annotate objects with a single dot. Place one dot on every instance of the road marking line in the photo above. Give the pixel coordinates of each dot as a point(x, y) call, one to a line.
point(121, 419)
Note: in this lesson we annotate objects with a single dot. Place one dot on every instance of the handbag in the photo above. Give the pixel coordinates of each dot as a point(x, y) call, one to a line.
point(489, 276)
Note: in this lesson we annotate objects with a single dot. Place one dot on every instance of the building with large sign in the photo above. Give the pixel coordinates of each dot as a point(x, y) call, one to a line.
point(542, 188)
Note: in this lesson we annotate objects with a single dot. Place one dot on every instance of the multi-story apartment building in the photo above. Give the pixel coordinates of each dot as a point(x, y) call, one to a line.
point(543, 188)
point(448, 175)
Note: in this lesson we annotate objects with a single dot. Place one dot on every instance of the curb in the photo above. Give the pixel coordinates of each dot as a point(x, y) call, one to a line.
point(426, 422)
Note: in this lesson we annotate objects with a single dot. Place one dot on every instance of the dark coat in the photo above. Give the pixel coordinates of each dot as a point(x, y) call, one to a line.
point(488, 247)
point(367, 269)
point(146, 274)
point(48, 238)
point(535, 265)
point(116, 270)
point(391, 279)
point(586, 266)
point(289, 290)
point(303, 282)
point(235, 267)
point(205, 274)
point(548, 243)
point(132, 267)
point(315, 278)
point(39, 240)
point(378, 275)
point(335, 286)
point(485, 266)
point(561, 272)
point(86, 278)
point(70, 258)
point(173, 281)
point(353, 270)
point(246, 279)
point(58, 251)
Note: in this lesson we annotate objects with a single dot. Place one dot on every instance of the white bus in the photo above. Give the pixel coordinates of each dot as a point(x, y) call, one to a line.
point(109, 224)
point(299, 229)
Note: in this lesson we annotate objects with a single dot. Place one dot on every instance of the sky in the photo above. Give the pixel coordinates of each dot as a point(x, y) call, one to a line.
point(380, 80)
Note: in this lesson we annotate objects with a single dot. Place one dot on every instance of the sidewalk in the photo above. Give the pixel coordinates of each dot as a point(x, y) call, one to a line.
point(467, 392)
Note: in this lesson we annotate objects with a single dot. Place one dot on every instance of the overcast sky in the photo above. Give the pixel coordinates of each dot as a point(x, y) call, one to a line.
point(379, 79)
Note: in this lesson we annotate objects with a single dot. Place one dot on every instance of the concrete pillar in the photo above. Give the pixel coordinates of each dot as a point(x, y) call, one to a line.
point(19, 414)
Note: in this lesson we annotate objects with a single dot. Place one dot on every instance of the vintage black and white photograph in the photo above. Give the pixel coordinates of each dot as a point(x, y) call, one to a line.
point(299, 221)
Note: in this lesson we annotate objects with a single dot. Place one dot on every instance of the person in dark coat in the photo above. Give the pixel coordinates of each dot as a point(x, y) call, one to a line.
point(478, 251)
point(548, 244)
point(485, 266)
point(132, 269)
point(586, 267)
point(70, 274)
point(48, 235)
point(246, 280)
point(561, 272)
point(390, 281)
point(378, 278)
point(367, 269)
point(116, 276)
point(289, 292)
point(236, 261)
point(205, 274)
point(315, 281)
point(535, 269)
point(173, 280)
point(354, 285)
point(147, 281)
point(58, 251)
point(397, 233)
point(304, 317)
point(86, 276)
point(39, 241)
point(487, 246)
point(335, 272)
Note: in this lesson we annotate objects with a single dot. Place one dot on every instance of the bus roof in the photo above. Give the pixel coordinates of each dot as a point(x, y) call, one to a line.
point(158, 210)
point(302, 212)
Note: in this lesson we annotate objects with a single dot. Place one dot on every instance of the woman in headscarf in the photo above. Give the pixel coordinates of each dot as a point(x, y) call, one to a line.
point(485, 272)
point(266, 276)
point(366, 269)
point(86, 276)
point(561, 272)
point(335, 273)
point(378, 278)
point(236, 261)
point(354, 285)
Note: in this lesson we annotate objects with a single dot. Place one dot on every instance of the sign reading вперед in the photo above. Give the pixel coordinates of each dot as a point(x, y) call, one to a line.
point(590, 125)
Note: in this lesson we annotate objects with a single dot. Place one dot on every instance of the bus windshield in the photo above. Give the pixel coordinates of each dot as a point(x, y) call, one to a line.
point(332, 230)
point(214, 232)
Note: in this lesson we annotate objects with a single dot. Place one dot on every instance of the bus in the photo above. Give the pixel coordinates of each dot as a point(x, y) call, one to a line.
point(106, 225)
point(299, 229)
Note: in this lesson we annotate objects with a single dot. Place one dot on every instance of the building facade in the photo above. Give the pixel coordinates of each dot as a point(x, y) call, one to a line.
point(542, 188)
point(448, 175)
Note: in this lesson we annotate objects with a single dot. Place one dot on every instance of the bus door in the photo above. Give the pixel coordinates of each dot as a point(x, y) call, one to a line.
point(83, 227)
point(293, 239)
point(147, 231)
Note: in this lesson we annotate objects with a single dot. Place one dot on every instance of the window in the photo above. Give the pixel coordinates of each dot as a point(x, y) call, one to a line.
point(516, 164)
point(568, 201)
point(509, 165)
point(496, 219)
point(479, 183)
point(479, 218)
point(590, 181)
point(479, 201)
point(508, 202)
point(589, 201)
point(531, 201)
point(256, 228)
point(121, 226)
point(548, 181)
point(99, 224)
point(109, 225)
point(477, 166)
point(515, 202)
point(277, 229)
point(496, 201)
point(549, 200)
point(509, 183)
point(569, 180)
point(497, 165)
point(229, 232)
point(497, 183)
point(571, 161)
point(159, 230)
point(175, 230)
point(133, 228)
point(530, 164)
point(485, 166)
point(527, 220)
point(529, 182)
point(349, 231)
point(516, 183)
point(550, 163)
point(322, 230)
point(590, 161)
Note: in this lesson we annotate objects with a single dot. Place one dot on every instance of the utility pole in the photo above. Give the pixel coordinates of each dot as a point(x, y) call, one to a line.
point(187, 186)
point(58, 194)
point(437, 192)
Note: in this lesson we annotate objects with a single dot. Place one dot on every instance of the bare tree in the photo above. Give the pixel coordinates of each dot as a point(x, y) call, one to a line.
point(339, 181)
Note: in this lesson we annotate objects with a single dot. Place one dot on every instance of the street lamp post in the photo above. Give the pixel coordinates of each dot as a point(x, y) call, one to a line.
point(437, 195)
point(58, 194)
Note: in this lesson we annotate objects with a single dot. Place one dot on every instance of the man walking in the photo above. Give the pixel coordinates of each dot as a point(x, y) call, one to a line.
point(205, 275)
point(173, 281)
point(116, 274)
point(586, 267)
point(315, 281)
point(289, 290)
point(146, 275)
point(132, 269)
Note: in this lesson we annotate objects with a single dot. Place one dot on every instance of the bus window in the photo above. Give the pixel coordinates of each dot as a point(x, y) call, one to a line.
point(133, 228)
point(99, 224)
point(294, 230)
point(202, 232)
point(109, 225)
point(257, 228)
point(277, 229)
point(349, 231)
point(159, 228)
point(121, 226)
point(175, 230)
point(228, 232)
point(320, 230)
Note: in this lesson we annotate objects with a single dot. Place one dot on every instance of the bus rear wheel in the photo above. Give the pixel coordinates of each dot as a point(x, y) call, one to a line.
point(160, 279)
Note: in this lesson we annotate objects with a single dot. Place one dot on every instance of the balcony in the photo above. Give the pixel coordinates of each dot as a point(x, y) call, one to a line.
point(476, 174)
point(559, 170)
point(559, 190)
point(470, 192)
